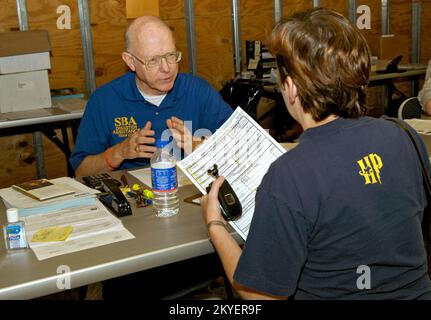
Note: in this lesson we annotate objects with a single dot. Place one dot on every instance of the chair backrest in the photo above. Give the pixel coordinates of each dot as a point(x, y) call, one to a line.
point(410, 108)
point(243, 93)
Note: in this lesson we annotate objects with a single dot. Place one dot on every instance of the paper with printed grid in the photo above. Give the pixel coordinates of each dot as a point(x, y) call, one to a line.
point(243, 151)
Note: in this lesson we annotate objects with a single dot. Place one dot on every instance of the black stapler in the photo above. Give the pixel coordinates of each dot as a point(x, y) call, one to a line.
point(230, 206)
point(114, 199)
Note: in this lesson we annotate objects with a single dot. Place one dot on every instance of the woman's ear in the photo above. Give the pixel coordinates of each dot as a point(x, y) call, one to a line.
point(128, 59)
point(292, 90)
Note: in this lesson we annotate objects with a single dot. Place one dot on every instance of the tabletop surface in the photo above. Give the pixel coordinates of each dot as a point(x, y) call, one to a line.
point(407, 73)
point(158, 241)
point(374, 77)
point(63, 110)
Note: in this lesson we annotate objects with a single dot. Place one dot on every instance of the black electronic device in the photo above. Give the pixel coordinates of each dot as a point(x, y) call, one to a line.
point(95, 181)
point(230, 205)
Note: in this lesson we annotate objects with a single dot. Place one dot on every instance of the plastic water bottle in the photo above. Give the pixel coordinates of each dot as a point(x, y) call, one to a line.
point(164, 180)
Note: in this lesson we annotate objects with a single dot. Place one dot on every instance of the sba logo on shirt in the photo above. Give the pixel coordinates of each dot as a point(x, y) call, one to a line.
point(125, 126)
point(371, 166)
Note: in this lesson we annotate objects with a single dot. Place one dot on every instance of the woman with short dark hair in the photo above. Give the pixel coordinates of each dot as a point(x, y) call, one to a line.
point(339, 216)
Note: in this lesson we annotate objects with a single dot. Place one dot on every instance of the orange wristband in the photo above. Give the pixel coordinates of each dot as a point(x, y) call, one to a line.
point(108, 160)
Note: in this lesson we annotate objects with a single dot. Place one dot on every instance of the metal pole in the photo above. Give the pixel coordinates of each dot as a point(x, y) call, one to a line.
point(236, 37)
point(386, 17)
point(278, 10)
point(386, 12)
point(352, 11)
point(191, 34)
point(87, 46)
point(316, 3)
point(416, 40)
point(416, 31)
point(21, 6)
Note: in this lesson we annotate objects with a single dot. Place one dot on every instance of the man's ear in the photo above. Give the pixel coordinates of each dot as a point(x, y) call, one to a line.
point(128, 59)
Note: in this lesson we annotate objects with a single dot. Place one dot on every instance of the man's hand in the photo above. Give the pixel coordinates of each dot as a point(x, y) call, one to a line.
point(135, 146)
point(182, 135)
point(210, 204)
point(138, 145)
point(427, 108)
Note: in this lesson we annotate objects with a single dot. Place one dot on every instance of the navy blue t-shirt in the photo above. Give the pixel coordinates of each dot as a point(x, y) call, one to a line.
point(339, 217)
point(118, 109)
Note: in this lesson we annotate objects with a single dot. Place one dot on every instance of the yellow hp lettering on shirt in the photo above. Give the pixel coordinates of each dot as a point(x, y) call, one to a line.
point(371, 166)
point(125, 126)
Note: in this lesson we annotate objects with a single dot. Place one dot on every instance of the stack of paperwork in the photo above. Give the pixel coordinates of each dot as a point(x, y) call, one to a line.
point(93, 226)
point(83, 195)
point(91, 223)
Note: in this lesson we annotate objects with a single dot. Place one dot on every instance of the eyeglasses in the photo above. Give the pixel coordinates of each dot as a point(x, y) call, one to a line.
point(155, 61)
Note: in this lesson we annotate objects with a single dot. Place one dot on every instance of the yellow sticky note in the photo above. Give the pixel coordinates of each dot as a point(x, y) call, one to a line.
point(52, 234)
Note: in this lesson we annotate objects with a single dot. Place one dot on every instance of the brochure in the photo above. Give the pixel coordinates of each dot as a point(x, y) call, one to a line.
point(43, 189)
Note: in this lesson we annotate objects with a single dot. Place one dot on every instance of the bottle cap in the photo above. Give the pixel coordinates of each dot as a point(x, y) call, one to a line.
point(12, 215)
point(161, 143)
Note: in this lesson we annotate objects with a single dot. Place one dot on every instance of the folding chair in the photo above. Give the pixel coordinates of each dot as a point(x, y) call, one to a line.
point(243, 93)
point(410, 108)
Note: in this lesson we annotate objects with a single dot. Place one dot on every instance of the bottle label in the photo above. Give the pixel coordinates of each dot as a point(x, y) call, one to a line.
point(164, 179)
point(15, 237)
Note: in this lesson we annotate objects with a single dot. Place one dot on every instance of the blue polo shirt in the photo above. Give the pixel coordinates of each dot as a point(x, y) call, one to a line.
point(117, 109)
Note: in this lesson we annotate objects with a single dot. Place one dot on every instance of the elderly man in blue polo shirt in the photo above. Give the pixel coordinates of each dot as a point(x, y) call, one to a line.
point(123, 118)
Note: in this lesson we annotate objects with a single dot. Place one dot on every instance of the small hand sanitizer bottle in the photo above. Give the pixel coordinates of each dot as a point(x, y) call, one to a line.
point(14, 231)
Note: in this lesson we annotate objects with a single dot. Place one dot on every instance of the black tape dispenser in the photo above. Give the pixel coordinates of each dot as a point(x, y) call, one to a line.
point(230, 206)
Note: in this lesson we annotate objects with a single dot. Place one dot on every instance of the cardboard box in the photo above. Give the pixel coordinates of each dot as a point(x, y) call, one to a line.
point(24, 91)
point(25, 63)
point(23, 51)
point(388, 47)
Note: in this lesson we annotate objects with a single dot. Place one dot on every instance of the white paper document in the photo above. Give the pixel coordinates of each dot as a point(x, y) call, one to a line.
point(93, 226)
point(243, 152)
point(422, 126)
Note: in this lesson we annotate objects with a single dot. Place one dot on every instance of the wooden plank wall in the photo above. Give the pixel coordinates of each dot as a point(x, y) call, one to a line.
point(214, 40)
point(213, 47)
point(8, 16)
point(426, 36)
point(174, 15)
